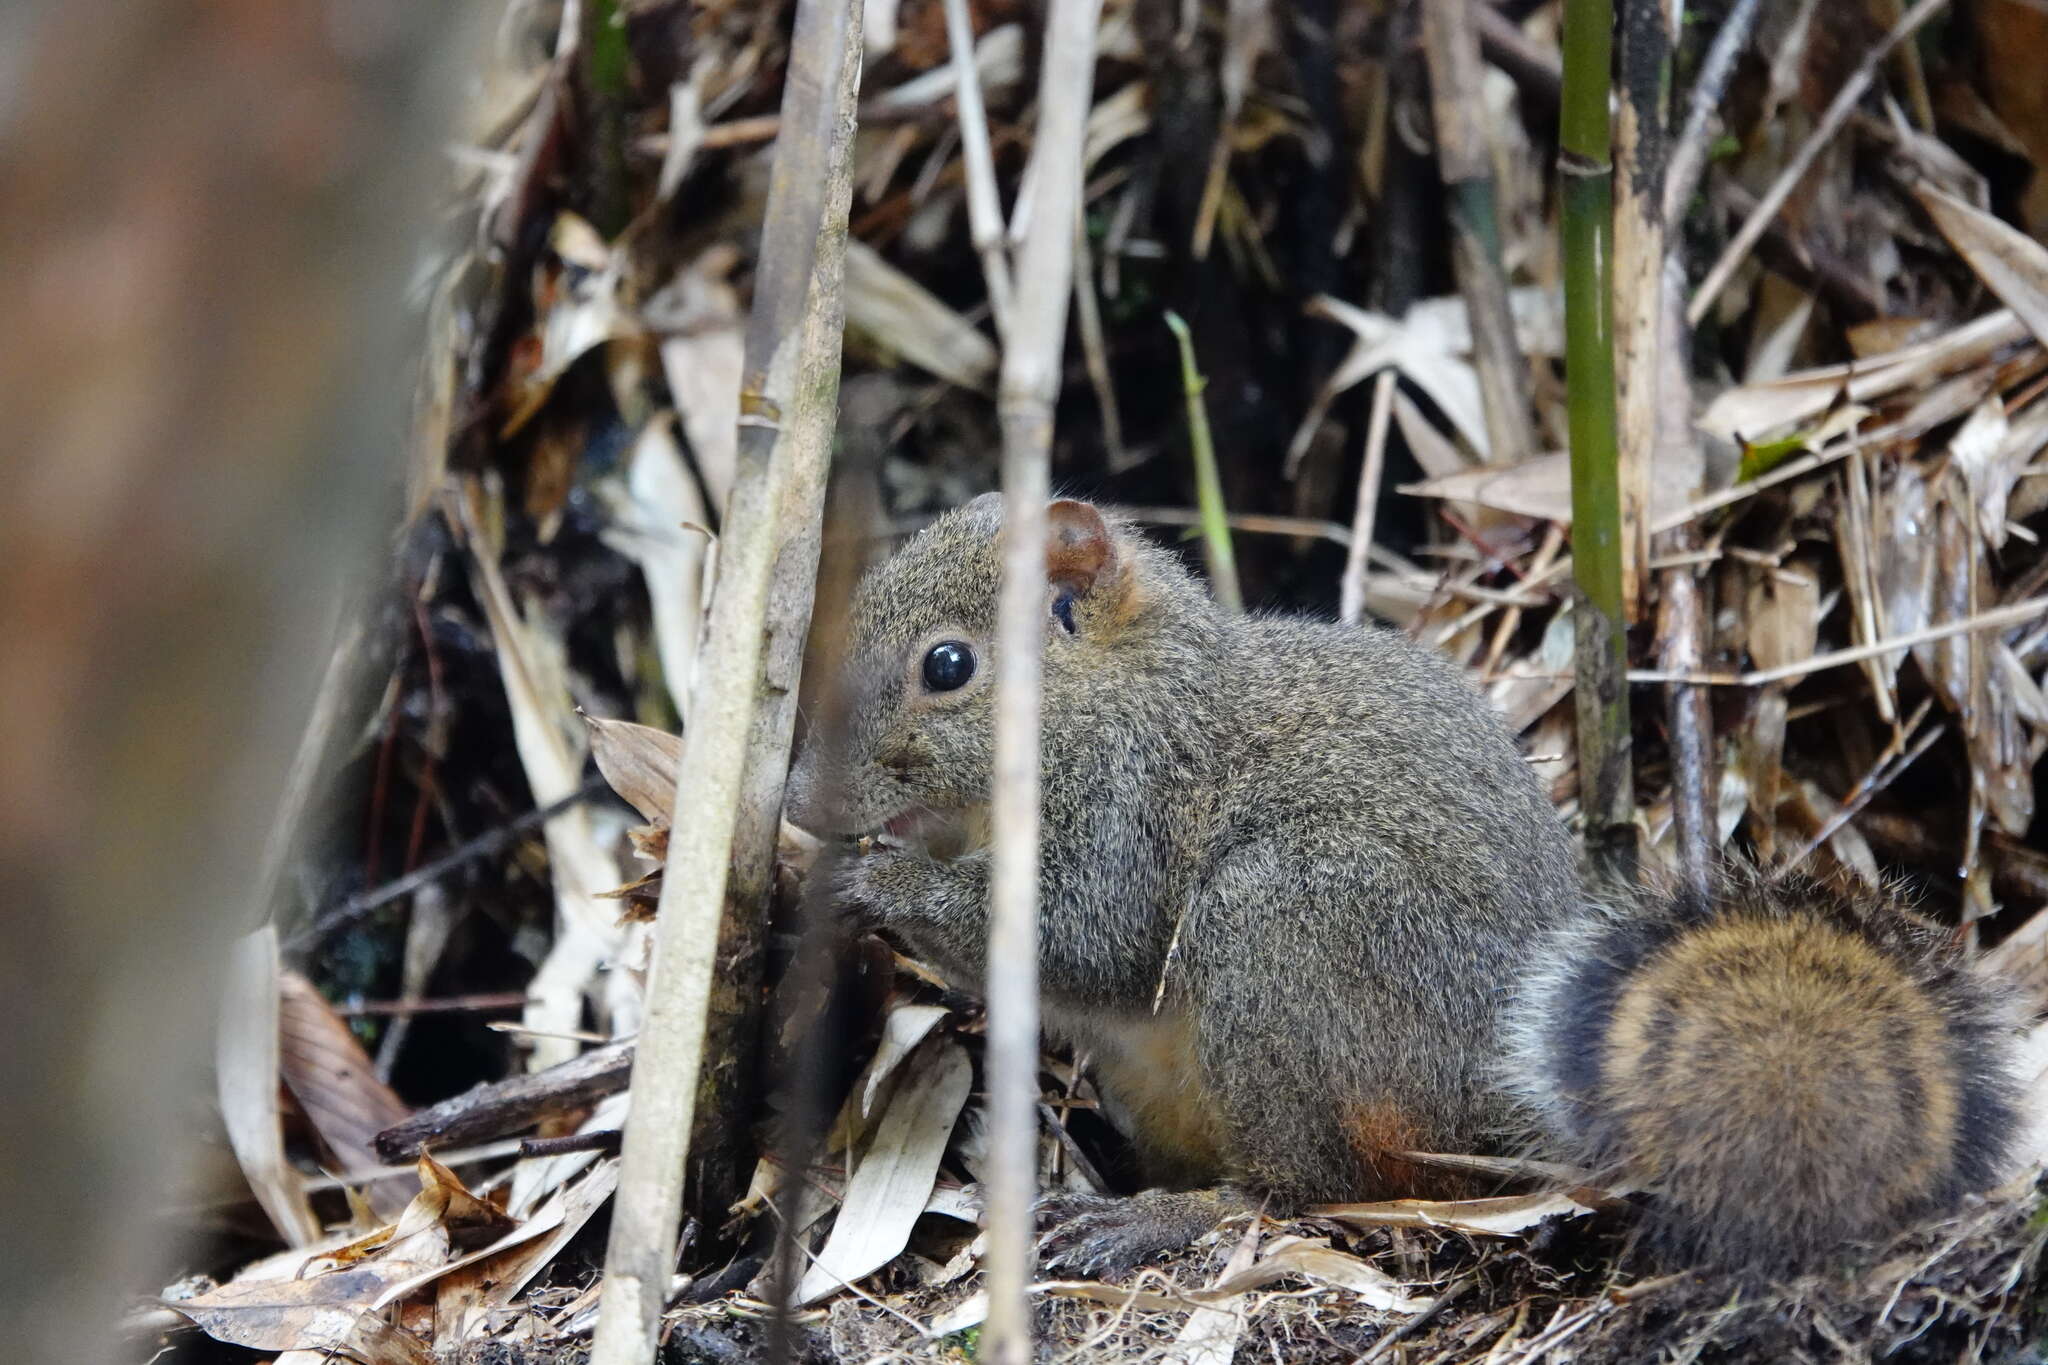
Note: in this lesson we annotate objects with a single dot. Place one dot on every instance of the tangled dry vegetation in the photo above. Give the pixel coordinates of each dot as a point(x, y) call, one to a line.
point(1846, 598)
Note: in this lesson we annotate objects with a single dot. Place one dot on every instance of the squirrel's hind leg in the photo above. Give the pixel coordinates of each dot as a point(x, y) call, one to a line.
point(1100, 1235)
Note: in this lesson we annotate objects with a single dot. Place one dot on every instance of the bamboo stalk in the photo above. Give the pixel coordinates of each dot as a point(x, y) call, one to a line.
point(1606, 789)
point(604, 61)
point(1451, 43)
point(1216, 549)
point(789, 345)
point(1026, 392)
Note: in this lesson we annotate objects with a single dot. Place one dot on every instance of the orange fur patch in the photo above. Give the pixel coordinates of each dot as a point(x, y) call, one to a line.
point(1375, 1130)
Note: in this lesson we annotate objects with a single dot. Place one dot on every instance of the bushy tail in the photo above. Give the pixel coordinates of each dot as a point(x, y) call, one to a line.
point(1785, 1067)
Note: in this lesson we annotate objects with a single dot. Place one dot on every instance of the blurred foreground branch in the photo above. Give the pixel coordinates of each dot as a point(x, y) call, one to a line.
point(204, 342)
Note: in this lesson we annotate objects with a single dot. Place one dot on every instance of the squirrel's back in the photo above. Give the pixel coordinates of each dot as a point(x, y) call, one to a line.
point(1786, 1066)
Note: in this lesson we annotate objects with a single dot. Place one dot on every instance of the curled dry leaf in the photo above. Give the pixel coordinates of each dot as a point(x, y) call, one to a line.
point(246, 1070)
point(640, 762)
point(577, 306)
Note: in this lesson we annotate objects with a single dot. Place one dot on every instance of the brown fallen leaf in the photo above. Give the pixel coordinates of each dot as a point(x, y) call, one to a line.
point(336, 1083)
point(640, 762)
point(313, 1313)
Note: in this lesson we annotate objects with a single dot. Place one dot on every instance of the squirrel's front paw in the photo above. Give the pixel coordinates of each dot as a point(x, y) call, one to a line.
point(1095, 1235)
point(861, 877)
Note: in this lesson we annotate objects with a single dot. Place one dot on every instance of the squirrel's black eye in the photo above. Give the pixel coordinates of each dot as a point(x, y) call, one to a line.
point(947, 666)
point(1063, 610)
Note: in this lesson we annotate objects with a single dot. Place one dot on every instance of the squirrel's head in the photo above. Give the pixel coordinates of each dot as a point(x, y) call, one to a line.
point(917, 750)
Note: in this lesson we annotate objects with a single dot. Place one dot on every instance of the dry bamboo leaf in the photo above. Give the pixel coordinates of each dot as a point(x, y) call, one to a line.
point(532, 664)
point(312, 1313)
point(1438, 455)
point(998, 62)
point(1211, 1333)
point(1542, 487)
point(547, 1222)
point(2021, 958)
point(2012, 265)
point(640, 762)
point(336, 1084)
point(908, 320)
point(1115, 121)
point(905, 1027)
point(685, 128)
point(890, 1187)
point(506, 1269)
point(1482, 1217)
point(1904, 526)
point(659, 525)
point(1978, 452)
point(1803, 807)
point(371, 1342)
point(1755, 411)
point(577, 307)
point(1313, 1259)
point(1420, 346)
point(698, 318)
point(2031, 1069)
point(246, 1068)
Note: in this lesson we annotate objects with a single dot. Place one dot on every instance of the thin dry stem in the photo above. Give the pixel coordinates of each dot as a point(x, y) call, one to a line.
point(1028, 388)
point(804, 235)
point(1689, 149)
point(1795, 170)
point(984, 204)
point(1351, 594)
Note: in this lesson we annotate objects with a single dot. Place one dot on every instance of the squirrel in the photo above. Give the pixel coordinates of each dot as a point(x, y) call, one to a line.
point(1306, 909)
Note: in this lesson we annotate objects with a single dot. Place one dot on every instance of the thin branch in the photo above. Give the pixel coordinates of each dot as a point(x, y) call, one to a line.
point(1027, 390)
point(984, 204)
point(1351, 590)
point(787, 342)
point(1465, 161)
point(1689, 150)
point(1795, 170)
point(1681, 628)
point(485, 845)
point(1998, 618)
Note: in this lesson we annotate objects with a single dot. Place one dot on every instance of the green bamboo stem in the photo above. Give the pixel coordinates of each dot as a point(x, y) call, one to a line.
point(605, 66)
point(1585, 162)
point(1216, 550)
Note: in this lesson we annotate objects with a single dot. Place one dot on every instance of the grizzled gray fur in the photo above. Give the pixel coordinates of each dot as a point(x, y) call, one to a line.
point(1353, 854)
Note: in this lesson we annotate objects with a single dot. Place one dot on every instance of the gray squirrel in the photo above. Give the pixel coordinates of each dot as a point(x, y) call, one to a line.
point(1307, 909)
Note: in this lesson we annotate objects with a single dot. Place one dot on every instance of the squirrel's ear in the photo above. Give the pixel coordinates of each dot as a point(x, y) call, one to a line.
point(1080, 552)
